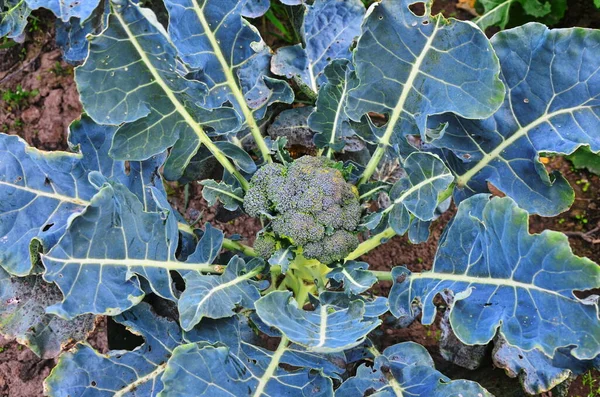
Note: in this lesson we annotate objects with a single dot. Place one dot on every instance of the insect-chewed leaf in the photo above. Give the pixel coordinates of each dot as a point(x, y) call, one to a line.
point(96, 261)
point(129, 77)
point(411, 67)
point(22, 316)
point(212, 36)
point(505, 279)
point(537, 372)
point(328, 30)
point(354, 275)
point(255, 8)
point(230, 196)
point(71, 35)
point(84, 371)
point(406, 369)
point(329, 328)
point(552, 105)
point(39, 190)
point(66, 9)
point(329, 118)
point(218, 296)
point(13, 18)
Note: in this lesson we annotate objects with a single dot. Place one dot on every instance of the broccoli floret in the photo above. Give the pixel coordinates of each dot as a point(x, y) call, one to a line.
point(310, 204)
point(332, 248)
point(265, 245)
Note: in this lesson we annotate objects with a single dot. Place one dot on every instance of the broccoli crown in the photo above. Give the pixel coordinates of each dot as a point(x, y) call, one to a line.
point(265, 245)
point(310, 204)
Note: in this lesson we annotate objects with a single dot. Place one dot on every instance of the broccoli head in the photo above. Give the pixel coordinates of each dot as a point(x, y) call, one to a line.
point(310, 204)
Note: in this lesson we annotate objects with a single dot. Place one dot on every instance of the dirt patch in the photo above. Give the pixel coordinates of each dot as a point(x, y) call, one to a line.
point(38, 96)
point(22, 373)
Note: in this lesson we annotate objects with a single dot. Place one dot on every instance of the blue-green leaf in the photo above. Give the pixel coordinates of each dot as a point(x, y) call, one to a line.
point(411, 67)
point(417, 193)
point(255, 8)
point(96, 262)
point(327, 329)
point(23, 316)
point(231, 197)
point(505, 279)
point(84, 371)
point(218, 296)
point(552, 105)
point(66, 9)
point(212, 36)
point(129, 77)
point(13, 18)
point(537, 372)
point(354, 275)
point(71, 35)
point(327, 32)
point(201, 369)
point(39, 190)
point(329, 118)
point(406, 369)
point(239, 335)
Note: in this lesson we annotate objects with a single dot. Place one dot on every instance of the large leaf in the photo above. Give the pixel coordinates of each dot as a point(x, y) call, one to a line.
point(411, 67)
point(201, 369)
point(328, 30)
point(66, 9)
point(96, 262)
point(537, 372)
point(23, 316)
point(552, 105)
point(329, 118)
point(39, 190)
point(406, 369)
point(84, 371)
point(130, 77)
point(239, 334)
point(212, 36)
point(505, 279)
point(13, 17)
point(218, 296)
point(328, 328)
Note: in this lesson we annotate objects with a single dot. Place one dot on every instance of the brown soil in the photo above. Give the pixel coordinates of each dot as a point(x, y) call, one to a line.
point(42, 120)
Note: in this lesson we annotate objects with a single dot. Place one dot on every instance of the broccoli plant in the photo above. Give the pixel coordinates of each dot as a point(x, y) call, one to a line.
point(401, 113)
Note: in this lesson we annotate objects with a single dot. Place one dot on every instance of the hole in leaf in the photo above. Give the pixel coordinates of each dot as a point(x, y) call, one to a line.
point(47, 181)
point(417, 9)
point(47, 227)
point(119, 338)
point(93, 383)
point(425, 22)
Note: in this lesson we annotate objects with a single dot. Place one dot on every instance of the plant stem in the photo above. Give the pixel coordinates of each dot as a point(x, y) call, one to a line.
point(370, 243)
point(235, 246)
point(382, 275)
point(373, 163)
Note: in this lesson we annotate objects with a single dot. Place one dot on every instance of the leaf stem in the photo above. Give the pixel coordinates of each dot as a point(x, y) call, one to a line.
point(180, 108)
point(382, 275)
point(273, 365)
point(233, 84)
point(371, 243)
point(235, 246)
